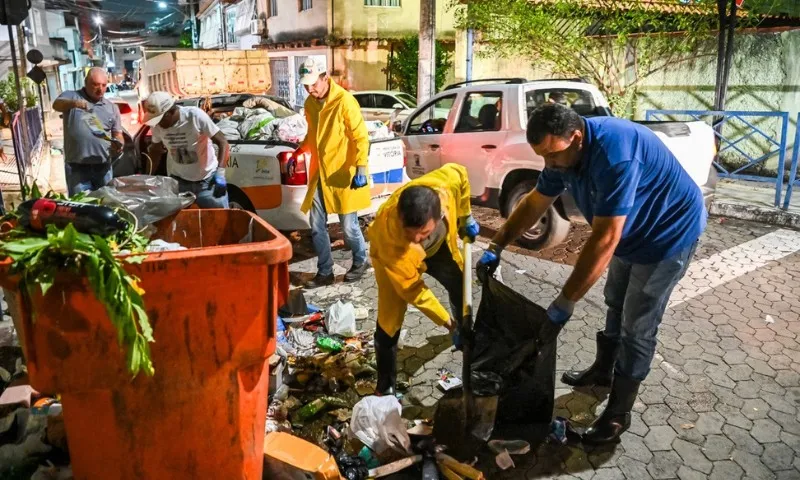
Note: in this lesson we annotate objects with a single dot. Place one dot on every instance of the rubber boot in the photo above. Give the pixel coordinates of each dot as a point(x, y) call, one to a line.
point(601, 371)
point(616, 418)
point(386, 358)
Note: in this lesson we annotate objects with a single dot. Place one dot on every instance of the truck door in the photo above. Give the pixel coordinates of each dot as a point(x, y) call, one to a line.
point(478, 137)
point(424, 134)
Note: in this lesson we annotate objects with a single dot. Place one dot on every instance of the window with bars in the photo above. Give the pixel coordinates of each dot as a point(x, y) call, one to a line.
point(305, 5)
point(381, 3)
point(273, 8)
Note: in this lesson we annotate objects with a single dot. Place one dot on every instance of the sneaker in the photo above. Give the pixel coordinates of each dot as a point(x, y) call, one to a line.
point(356, 272)
point(321, 281)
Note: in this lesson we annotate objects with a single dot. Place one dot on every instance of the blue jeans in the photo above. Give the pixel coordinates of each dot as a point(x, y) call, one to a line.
point(637, 297)
point(204, 191)
point(87, 177)
point(353, 237)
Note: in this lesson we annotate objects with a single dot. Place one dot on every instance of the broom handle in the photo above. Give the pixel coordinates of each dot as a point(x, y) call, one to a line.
point(466, 334)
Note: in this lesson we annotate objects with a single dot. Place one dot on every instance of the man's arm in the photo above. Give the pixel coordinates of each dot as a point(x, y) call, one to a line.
point(524, 216)
point(224, 148)
point(155, 151)
point(66, 103)
point(595, 256)
point(116, 132)
point(356, 131)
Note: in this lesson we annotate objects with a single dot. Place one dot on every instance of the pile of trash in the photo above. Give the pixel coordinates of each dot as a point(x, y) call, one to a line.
point(322, 367)
point(33, 442)
point(263, 119)
point(378, 130)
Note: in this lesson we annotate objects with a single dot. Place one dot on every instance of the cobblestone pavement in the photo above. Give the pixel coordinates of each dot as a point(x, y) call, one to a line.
point(722, 398)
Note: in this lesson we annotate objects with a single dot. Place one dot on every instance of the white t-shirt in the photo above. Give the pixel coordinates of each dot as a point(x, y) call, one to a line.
point(190, 152)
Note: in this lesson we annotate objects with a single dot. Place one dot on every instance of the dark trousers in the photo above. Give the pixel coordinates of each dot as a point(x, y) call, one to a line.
point(446, 271)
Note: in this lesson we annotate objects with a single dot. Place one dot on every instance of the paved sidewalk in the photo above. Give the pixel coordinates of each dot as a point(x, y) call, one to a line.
point(722, 398)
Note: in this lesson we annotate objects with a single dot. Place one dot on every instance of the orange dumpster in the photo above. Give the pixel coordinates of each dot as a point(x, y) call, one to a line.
point(213, 309)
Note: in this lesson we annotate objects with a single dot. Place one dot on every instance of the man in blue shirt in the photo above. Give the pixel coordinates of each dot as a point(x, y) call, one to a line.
point(646, 215)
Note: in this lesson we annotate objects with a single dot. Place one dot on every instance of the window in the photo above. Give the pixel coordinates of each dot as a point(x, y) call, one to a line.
point(579, 100)
point(387, 101)
point(481, 112)
point(410, 101)
point(365, 100)
point(433, 118)
point(305, 5)
point(273, 8)
point(381, 3)
point(230, 21)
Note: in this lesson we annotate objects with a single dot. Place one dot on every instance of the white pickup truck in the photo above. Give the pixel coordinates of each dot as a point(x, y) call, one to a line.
point(482, 124)
point(267, 177)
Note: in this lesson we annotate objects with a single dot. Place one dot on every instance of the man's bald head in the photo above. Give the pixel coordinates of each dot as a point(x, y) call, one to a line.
point(96, 83)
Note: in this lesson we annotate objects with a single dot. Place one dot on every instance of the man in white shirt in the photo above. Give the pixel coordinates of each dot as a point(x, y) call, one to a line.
point(188, 134)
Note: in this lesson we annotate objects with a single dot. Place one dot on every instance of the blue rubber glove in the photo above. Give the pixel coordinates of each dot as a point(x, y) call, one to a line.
point(469, 229)
point(455, 336)
point(360, 180)
point(558, 314)
point(219, 184)
point(490, 259)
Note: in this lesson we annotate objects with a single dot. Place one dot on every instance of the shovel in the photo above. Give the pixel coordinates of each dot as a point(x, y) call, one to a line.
point(463, 422)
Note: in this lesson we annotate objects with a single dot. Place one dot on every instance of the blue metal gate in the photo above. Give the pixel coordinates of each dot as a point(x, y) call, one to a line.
point(744, 129)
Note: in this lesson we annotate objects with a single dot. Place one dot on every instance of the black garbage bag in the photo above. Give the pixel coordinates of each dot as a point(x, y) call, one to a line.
point(506, 344)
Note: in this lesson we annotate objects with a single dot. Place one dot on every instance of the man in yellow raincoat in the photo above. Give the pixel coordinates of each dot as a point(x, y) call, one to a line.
point(414, 232)
point(339, 145)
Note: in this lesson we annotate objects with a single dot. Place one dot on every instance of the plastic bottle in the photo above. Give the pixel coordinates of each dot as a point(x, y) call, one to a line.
point(329, 344)
point(85, 217)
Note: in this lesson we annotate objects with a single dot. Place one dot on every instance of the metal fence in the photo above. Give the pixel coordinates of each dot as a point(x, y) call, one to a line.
point(793, 167)
point(28, 143)
point(735, 129)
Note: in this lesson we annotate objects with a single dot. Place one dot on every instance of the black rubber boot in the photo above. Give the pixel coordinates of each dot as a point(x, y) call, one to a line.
point(616, 418)
point(601, 371)
point(386, 358)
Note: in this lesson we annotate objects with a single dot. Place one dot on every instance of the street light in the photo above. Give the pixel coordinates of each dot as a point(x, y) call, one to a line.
point(98, 20)
point(162, 5)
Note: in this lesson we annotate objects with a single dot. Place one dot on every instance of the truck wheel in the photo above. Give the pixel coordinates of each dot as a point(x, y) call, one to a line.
point(238, 200)
point(551, 230)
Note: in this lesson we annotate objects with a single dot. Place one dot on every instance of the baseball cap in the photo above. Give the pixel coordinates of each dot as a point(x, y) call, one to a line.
point(155, 106)
point(310, 71)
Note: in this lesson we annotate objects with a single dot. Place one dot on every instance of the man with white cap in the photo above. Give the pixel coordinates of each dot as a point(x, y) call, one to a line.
point(339, 146)
point(188, 134)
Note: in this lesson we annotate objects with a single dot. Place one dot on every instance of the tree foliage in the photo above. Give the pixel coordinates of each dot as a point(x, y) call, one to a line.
point(8, 92)
point(614, 44)
point(402, 69)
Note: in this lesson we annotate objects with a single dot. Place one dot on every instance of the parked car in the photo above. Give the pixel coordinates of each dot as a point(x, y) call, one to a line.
point(130, 118)
point(482, 126)
point(269, 178)
point(381, 104)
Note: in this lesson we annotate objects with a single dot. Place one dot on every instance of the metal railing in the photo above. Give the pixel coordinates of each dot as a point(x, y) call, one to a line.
point(793, 167)
point(28, 143)
point(743, 126)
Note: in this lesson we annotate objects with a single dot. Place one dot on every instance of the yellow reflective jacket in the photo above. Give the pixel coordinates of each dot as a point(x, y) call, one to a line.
point(338, 142)
point(399, 264)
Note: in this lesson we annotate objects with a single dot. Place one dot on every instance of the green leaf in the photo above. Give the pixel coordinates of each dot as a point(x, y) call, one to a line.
point(135, 259)
point(24, 245)
point(144, 322)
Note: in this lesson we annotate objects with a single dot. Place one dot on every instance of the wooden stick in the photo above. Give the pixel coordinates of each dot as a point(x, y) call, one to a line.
point(394, 467)
point(460, 468)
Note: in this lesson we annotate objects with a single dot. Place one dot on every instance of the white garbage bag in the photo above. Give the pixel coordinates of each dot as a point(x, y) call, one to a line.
point(230, 129)
point(256, 127)
point(291, 129)
point(378, 423)
point(377, 130)
point(341, 319)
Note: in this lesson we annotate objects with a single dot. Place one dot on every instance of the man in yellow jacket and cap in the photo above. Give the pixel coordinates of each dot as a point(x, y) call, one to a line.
point(338, 142)
point(414, 232)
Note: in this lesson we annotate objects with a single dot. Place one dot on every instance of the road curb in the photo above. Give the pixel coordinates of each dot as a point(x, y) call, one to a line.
point(772, 216)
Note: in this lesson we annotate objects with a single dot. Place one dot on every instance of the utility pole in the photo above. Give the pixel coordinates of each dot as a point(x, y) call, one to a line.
point(426, 81)
point(194, 24)
point(23, 119)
